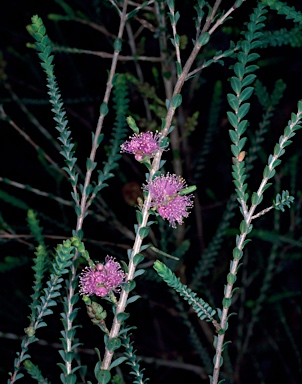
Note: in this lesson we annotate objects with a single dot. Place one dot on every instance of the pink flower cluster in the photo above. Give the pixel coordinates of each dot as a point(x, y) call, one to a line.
point(164, 192)
point(102, 279)
point(143, 145)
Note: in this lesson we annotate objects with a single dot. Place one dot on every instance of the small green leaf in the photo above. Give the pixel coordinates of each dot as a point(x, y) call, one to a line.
point(232, 119)
point(178, 68)
point(231, 278)
point(171, 5)
point(242, 127)
point(167, 104)
point(138, 258)
point(266, 186)
point(143, 232)
point(276, 163)
point(100, 138)
point(104, 109)
point(117, 45)
point(243, 110)
point(241, 143)
point(245, 242)
point(146, 162)
point(176, 101)
point(251, 68)
point(117, 362)
point(162, 163)
point(132, 14)
point(248, 80)
point(129, 286)
point(159, 267)
point(255, 198)
point(113, 344)
point(125, 265)
point(143, 247)
point(235, 150)
point(233, 101)
point(138, 273)
point(272, 174)
point(103, 377)
point(77, 210)
point(233, 136)
point(226, 302)
point(246, 94)
point(132, 124)
point(171, 129)
point(139, 217)
point(187, 190)
point(164, 142)
point(239, 70)
point(266, 172)
point(237, 253)
point(236, 85)
point(250, 228)
point(122, 316)
point(133, 299)
point(243, 226)
point(90, 165)
point(204, 38)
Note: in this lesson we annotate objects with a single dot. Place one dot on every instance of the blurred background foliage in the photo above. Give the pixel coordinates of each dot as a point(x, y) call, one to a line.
point(173, 344)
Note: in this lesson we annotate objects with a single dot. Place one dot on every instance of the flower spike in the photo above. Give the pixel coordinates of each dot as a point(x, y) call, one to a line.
point(166, 196)
point(102, 279)
point(142, 145)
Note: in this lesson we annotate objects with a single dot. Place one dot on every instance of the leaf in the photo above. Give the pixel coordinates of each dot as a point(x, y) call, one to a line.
point(233, 101)
point(133, 299)
point(236, 85)
point(138, 273)
point(117, 362)
point(113, 344)
point(233, 136)
point(139, 217)
point(243, 110)
point(104, 109)
point(143, 247)
point(143, 232)
point(176, 101)
point(204, 38)
point(246, 94)
point(103, 377)
point(122, 316)
point(242, 127)
point(232, 119)
point(138, 258)
point(239, 70)
point(248, 80)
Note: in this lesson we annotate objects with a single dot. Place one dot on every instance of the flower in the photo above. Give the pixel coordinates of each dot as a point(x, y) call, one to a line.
point(164, 192)
point(101, 279)
point(142, 145)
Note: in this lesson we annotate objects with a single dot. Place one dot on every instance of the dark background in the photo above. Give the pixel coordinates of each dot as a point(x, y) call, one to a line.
point(274, 352)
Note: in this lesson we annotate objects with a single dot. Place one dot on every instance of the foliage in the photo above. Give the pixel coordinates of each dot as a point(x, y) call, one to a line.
point(210, 94)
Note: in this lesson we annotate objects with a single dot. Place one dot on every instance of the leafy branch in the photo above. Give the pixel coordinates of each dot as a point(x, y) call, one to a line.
point(202, 309)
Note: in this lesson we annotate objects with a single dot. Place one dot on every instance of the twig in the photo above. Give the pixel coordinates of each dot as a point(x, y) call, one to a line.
point(240, 244)
point(145, 210)
point(262, 212)
point(36, 191)
point(106, 55)
point(175, 35)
